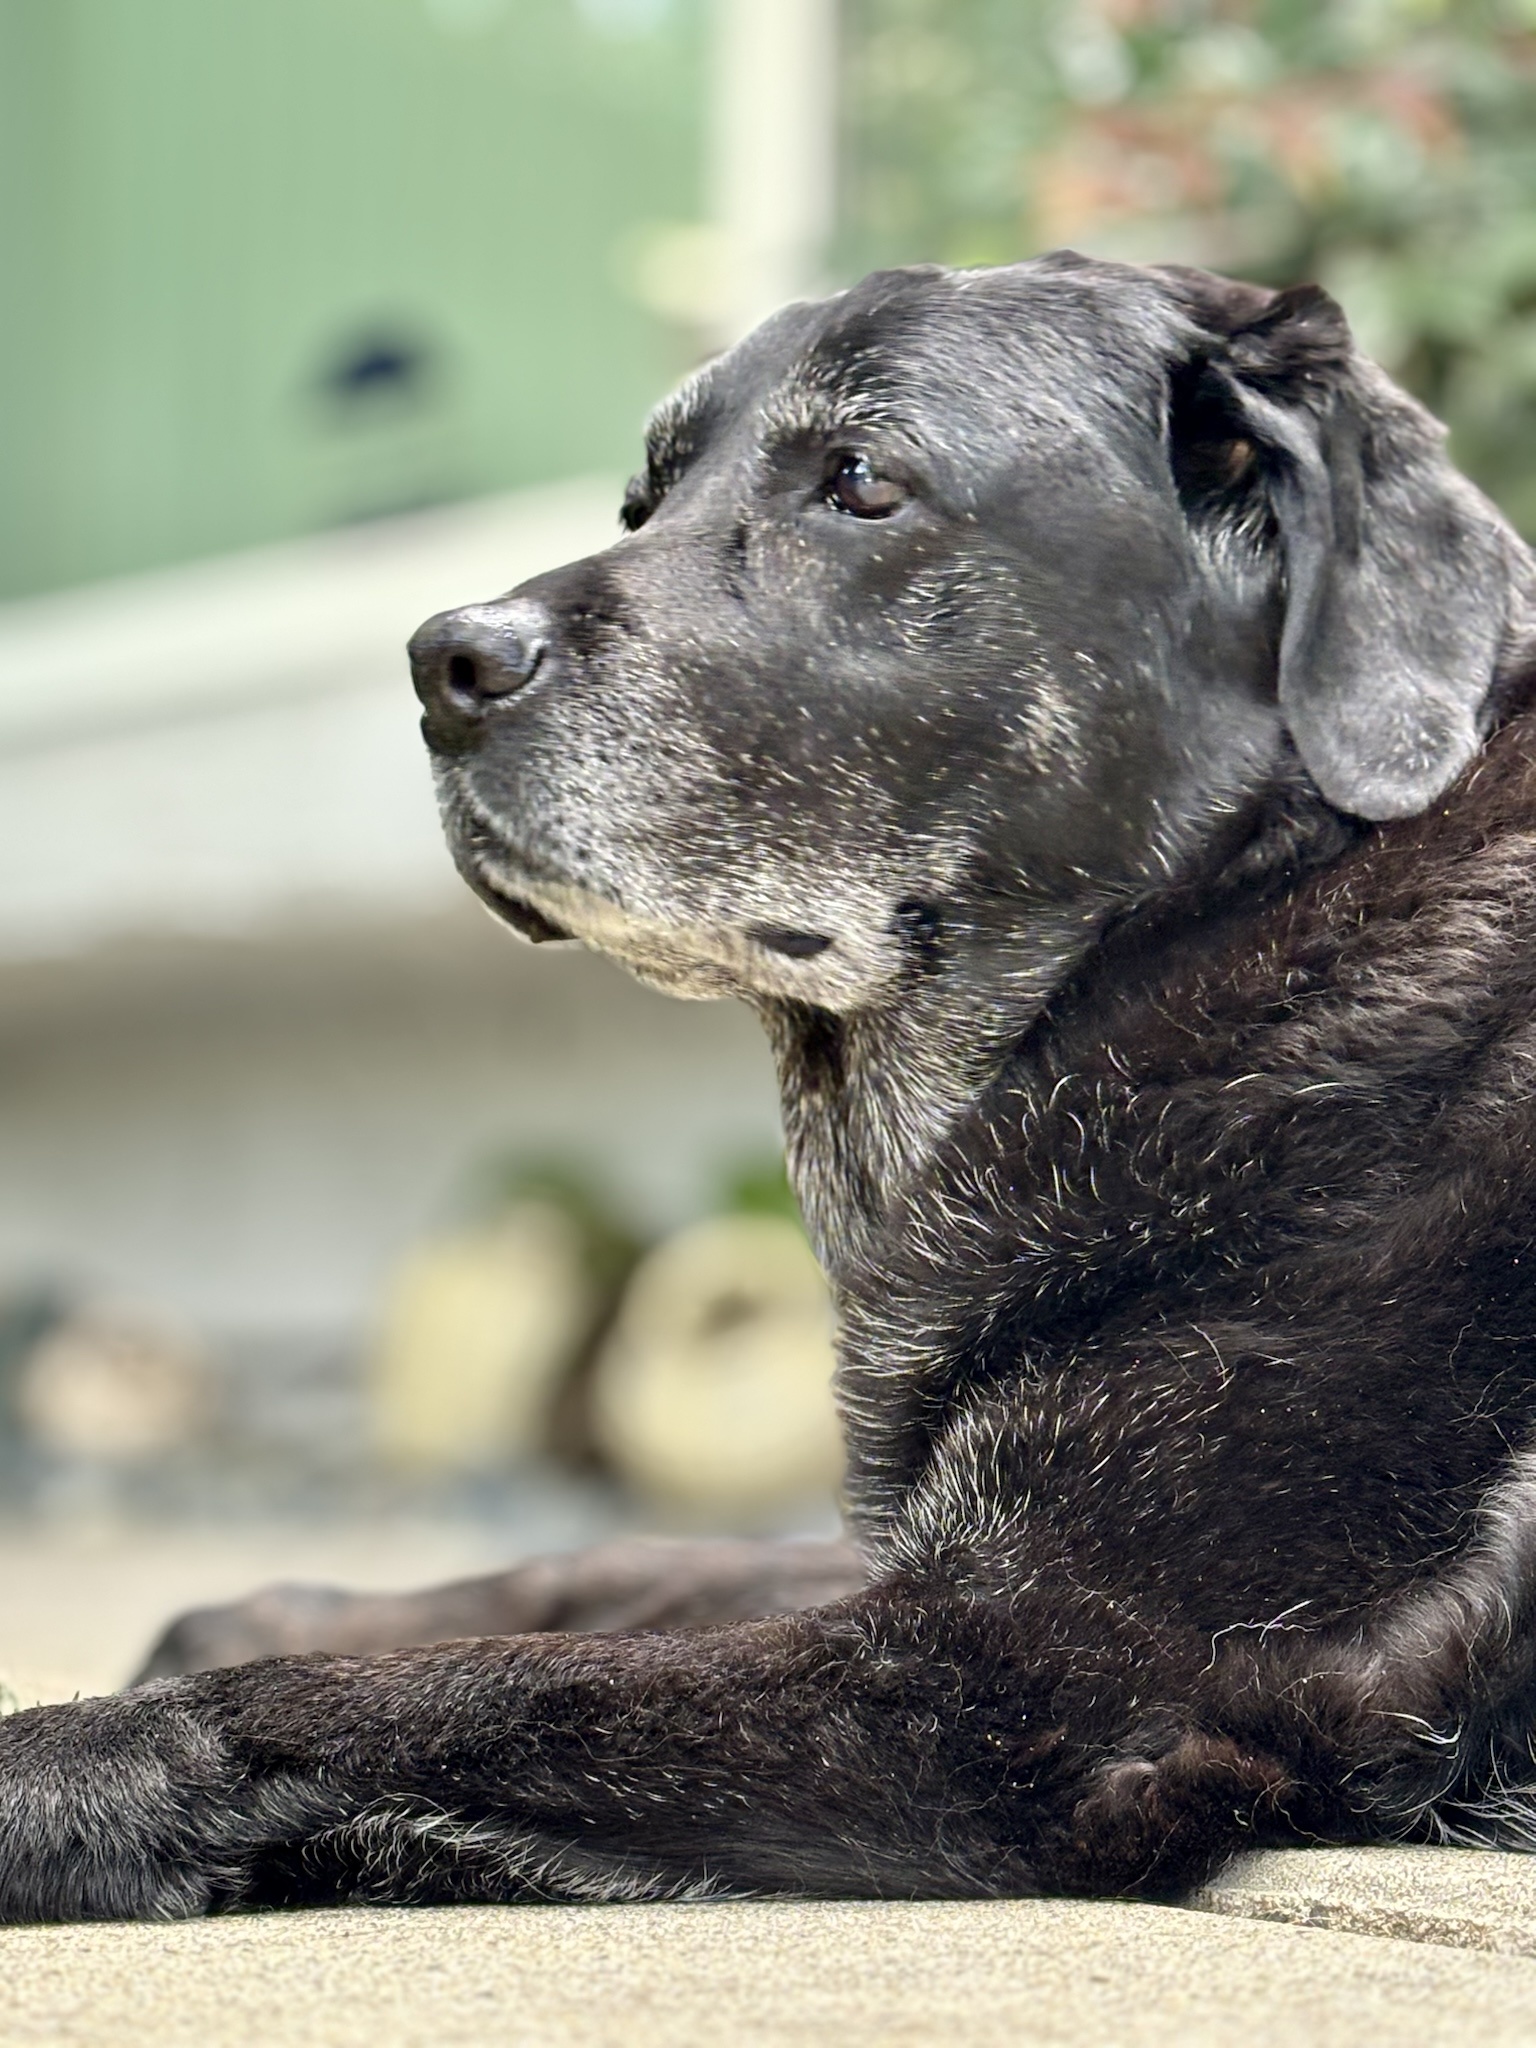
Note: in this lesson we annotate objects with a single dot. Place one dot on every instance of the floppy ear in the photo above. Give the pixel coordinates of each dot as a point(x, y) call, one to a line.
point(1396, 572)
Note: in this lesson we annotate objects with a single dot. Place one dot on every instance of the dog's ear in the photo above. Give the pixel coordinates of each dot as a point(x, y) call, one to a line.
point(1395, 571)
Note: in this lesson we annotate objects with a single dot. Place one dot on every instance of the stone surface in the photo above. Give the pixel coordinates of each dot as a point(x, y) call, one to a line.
point(1457, 1897)
point(1320, 1948)
point(755, 1976)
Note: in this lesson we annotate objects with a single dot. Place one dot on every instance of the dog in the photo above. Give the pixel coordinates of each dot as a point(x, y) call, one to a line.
point(1083, 712)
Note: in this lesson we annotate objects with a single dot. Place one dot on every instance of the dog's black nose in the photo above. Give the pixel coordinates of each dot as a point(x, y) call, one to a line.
point(465, 662)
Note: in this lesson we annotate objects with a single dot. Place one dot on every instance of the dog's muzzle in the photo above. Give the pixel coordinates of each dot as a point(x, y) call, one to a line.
point(467, 663)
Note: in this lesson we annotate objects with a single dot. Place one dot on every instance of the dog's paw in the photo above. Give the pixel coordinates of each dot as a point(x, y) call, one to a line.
point(116, 1809)
point(1156, 1829)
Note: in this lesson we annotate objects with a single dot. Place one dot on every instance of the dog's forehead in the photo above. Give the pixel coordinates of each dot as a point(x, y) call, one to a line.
point(1058, 342)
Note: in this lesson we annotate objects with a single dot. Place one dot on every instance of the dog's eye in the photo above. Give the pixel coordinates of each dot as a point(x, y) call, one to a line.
point(854, 487)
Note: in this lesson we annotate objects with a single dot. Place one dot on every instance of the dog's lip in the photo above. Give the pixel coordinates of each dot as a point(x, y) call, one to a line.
point(786, 939)
point(478, 847)
point(513, 886)
point(517, 911)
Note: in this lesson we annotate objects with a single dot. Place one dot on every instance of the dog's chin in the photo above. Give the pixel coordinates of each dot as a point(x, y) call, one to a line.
point(675, 954)
point(793, 949)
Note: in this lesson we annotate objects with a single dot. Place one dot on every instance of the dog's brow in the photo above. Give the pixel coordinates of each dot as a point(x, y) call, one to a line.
point(674, 430)
point(804, 411)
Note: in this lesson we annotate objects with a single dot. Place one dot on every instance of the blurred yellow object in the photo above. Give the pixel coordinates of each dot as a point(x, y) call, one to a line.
point(113, 1386)
point(478, 1332)
point(714, 1389)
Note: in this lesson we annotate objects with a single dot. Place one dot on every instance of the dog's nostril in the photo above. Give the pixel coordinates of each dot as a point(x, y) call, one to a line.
point(463, 678)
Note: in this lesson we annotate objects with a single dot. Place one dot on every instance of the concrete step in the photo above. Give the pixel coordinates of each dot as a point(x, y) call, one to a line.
point(1456, 1898)
point(1050, 1973)
point(1337, 1948)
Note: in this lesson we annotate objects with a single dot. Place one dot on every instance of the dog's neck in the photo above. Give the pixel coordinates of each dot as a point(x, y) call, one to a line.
point(869, 1098)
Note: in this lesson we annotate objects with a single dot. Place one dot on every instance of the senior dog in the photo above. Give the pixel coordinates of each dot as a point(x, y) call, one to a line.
point(1082, 711)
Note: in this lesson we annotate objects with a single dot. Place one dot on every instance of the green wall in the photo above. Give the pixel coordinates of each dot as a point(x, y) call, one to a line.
point(273, 264)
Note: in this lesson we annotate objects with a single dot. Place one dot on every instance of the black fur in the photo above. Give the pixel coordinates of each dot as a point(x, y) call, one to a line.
point(1128, 842)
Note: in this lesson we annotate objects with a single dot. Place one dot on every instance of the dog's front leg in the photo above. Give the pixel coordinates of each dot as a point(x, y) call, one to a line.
point(904, 1743)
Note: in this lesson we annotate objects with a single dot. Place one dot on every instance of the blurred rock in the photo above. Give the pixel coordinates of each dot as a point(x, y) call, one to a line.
point(478, 1333)
point(714, 1388)
point(108, 1385)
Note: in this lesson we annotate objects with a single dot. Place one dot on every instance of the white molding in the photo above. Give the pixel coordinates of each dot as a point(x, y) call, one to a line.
point(773, 152)
point(210, 748)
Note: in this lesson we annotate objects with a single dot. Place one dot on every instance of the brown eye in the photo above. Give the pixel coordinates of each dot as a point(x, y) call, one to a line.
point(854, 487)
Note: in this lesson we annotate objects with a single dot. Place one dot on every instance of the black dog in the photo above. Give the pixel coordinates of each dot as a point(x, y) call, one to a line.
point(1083, 712)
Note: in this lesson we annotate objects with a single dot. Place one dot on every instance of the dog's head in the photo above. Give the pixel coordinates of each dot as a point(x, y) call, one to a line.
point(961, 606)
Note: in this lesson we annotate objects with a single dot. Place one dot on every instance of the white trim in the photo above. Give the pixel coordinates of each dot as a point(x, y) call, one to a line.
point(211, 748)
point(773, 151)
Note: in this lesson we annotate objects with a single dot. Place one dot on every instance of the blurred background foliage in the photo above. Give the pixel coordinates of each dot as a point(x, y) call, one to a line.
point(1384, 148)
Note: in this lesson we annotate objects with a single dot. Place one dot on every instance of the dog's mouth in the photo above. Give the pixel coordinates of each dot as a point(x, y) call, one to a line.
point(533, 924)
point(475, 842)
point(485, 874)
point(697, 955)
point(517, 912)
